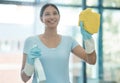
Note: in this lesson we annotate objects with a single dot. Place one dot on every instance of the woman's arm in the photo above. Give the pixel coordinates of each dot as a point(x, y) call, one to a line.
point(24, 77)
point(88, 54)
point(80, 52)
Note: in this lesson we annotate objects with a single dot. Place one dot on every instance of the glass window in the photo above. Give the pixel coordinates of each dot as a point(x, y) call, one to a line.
point(75, 2)
point(111, 43)
point(16, 23)
point(20, 0)
point(69, 20)
point(16, 14)
point(92, 2)
point(111, 3)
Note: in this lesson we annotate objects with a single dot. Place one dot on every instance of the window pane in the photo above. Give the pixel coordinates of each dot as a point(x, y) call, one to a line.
point(111, 28)
point(111, 3)
point(92, 2)
point(75, 2)
point(69, 20)
point(16, 14)
point(21, 0)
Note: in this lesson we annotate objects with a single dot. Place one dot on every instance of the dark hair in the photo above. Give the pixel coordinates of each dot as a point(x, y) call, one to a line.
point(45, 6)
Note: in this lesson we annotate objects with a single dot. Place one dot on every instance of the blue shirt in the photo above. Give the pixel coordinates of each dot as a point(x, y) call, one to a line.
point(55, 61)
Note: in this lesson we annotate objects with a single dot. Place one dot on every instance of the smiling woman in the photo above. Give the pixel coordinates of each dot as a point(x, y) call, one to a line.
point(54, 49)
point(50, 18)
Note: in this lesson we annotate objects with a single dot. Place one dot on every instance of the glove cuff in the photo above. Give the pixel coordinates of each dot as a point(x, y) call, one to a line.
point(89, 46)
point(28, 69)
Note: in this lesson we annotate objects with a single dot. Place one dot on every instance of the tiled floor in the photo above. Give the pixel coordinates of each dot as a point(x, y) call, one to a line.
point(10, 65)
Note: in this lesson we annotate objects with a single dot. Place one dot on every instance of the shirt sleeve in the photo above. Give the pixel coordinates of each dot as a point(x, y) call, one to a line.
point(74, 43)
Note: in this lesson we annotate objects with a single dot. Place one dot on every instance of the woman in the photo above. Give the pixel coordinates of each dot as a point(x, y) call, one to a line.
point(55, 49)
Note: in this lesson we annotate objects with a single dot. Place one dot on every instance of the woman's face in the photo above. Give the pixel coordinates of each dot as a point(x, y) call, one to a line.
point(50, 17)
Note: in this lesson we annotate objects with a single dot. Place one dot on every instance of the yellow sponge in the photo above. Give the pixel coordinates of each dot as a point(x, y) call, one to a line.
point(91, 20)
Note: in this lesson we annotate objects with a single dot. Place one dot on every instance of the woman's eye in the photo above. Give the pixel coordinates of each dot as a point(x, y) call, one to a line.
point(47, 14)
point(55, 13)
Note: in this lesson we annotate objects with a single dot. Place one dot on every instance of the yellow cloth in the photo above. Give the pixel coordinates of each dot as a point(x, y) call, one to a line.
point(91, 20)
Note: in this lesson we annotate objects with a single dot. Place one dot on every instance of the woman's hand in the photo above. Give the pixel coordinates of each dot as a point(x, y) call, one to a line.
point(34, 52)
point(86, 35)
point(88, 40)
point(30, 59)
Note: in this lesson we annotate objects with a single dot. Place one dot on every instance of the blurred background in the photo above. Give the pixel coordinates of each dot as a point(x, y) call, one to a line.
point(19, 19)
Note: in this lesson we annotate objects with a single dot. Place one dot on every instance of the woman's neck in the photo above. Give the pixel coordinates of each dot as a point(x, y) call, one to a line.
point(50, 33)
